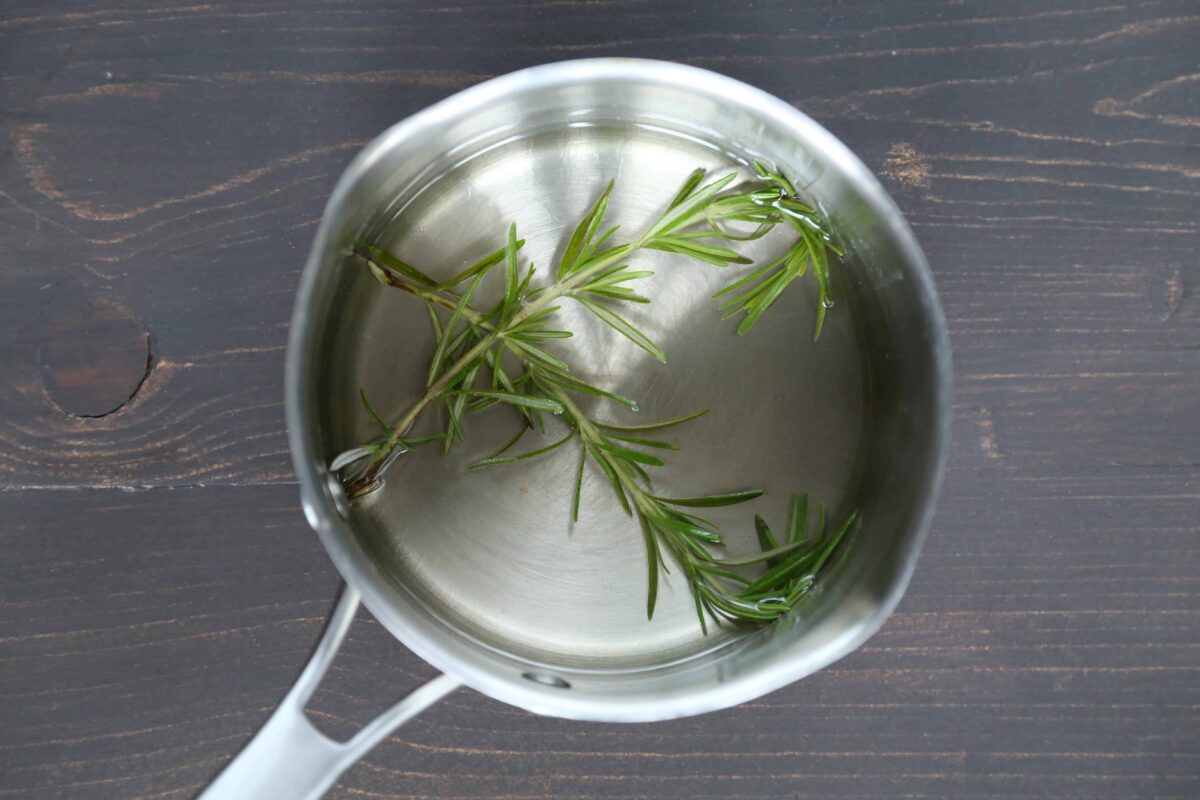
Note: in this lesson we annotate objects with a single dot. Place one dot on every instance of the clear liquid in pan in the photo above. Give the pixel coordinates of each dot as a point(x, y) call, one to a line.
point(494, 551)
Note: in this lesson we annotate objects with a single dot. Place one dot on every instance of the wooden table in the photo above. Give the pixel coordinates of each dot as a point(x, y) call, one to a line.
point(162, 176)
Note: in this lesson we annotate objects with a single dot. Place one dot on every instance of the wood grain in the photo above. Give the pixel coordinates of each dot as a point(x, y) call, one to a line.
point(159, 588)
point(1045, 658)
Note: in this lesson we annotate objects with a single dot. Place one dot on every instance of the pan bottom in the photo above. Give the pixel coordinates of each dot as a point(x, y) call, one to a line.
point(494, 552)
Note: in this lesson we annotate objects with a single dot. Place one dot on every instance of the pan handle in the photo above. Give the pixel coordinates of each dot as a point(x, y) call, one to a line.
point(289, 758)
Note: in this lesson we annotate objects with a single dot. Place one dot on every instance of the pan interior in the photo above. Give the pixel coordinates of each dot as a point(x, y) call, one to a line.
point(494, 552)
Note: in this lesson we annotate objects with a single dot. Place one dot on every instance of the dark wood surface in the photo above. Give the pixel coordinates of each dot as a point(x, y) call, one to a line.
point(162, 174)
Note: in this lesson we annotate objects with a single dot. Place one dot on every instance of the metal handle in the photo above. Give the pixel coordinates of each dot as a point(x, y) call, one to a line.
point(289, 759)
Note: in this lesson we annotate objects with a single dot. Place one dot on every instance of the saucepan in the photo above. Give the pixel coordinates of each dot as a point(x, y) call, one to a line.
point(484, 574)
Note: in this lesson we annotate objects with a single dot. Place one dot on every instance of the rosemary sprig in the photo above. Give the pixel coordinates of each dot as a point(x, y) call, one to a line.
point(691, 541)
point(620, 453)
point(597, 277)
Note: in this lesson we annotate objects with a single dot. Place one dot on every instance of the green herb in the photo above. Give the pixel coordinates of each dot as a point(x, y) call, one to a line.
point(473, 344)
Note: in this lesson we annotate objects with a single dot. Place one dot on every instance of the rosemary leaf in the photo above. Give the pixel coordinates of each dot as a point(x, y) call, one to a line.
point(749, 298)
point(652, 559)
point(602, 461)
point(641, 474)
point(768, 298)
point(700, 606)
point(578, 484)
point(737, 608)
point(821, 269)
point(617, 275)
point(682, 526)
point(575, 384)
point(532, 350)
point(774, 177)
point(584, 233)
point(688, 187)
point(523, 290)
point(619, 294)
point(373, 414)
point(853, 522)
point(656, 426)
point(439, 354)
point(533, 320)
point(706, 501)
point(589, 251)
point(435, 321)
point(708, 253)
point(798, 563)
point(621, 326)
point(483, 265)
point(631, 455)
point(751, 278)
point(765, 555)
point(766, 540)
point(524, 400)
point(657, 443)
point(723, 572)
point(539, 335)
point(697, 520)
point(495, 460)
point(386, 259)
point(797, 517)
point(455, 406)
point(511, 274)
point(688, 210)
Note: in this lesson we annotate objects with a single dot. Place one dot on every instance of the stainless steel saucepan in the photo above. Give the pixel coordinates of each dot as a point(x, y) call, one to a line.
point(482, 574)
